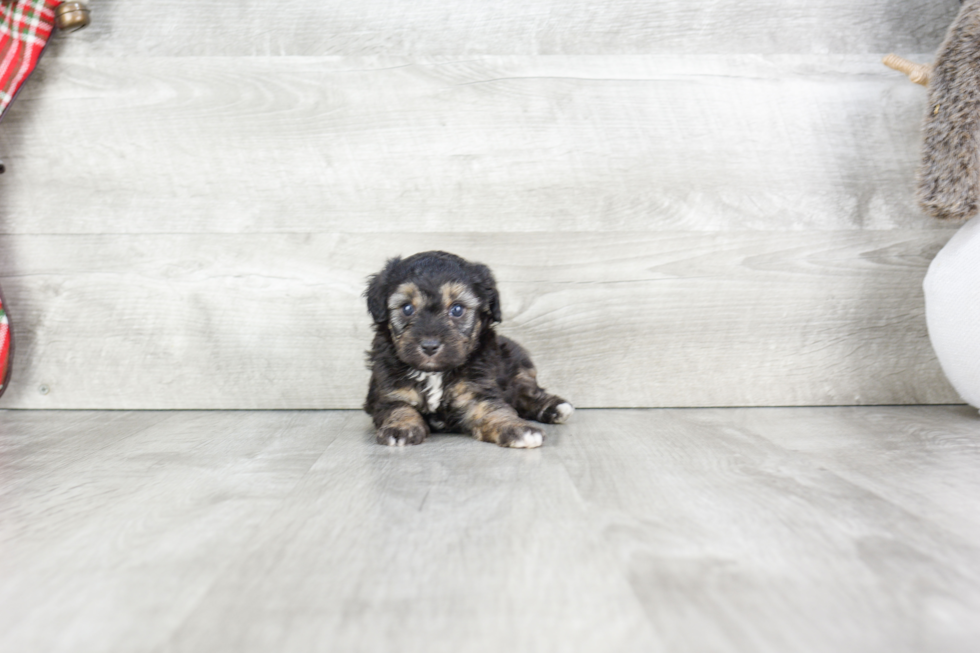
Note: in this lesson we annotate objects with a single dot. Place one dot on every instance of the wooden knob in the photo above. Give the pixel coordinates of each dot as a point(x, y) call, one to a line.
point(71, 16)
point(917, 72)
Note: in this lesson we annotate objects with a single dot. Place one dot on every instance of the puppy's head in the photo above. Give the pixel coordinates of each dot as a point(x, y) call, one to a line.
point(434, 305)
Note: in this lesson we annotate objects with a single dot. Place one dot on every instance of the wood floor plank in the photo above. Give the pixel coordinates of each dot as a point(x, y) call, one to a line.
point(489, 144)
point(68, 438)
point(718, 527)
point(304, 27)
point(921, 459)
point(142, 526)
point(642, 530)
point(639, 319)
point(453, 546)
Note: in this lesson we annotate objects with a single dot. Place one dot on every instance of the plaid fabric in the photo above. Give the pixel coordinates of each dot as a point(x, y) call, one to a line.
point(4, 348)
point(25, 26)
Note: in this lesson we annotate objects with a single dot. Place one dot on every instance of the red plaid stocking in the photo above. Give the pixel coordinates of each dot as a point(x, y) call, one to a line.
point(4, 349)
point(25, 26)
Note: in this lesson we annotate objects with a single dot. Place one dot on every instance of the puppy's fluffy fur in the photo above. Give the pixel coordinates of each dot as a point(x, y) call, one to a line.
point(949, 176)
point(438, 365)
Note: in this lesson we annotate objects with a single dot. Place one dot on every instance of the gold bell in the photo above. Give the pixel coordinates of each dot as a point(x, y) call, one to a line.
point(71, 16)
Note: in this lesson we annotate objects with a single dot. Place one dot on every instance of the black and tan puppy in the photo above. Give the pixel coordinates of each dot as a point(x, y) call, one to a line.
point(438, 365)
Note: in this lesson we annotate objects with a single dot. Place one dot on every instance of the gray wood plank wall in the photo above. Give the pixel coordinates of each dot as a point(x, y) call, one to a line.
point(686, 203)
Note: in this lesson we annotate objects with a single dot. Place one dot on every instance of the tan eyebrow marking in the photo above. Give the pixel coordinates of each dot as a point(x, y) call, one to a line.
point(407, 293)
point(456, 292)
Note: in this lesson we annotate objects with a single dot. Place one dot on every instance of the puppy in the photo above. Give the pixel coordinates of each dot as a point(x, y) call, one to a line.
point(437, 364)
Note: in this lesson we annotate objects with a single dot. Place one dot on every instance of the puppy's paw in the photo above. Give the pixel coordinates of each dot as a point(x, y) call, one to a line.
point(558, 412)
point(399, 436)
point(521, 437)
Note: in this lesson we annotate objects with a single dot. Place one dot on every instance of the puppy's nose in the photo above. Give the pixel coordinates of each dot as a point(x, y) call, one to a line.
point(430, 346)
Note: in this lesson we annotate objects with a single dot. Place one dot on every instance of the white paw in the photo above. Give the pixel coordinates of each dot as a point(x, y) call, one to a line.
point(527, 440)
point(565, 411)
point(394, 436)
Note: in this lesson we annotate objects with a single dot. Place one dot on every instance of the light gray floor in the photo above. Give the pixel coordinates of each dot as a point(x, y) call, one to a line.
point(798, 529)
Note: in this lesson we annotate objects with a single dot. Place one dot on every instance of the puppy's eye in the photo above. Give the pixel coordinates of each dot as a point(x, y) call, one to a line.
point(457, 310)
point(408, 310)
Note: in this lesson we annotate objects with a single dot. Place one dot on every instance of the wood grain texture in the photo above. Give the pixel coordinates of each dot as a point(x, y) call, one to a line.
point(618, 319)
point(688, 203)
point(453, 547)
point(424, 27)
point(495, 144)
point(716, 524)
point(910, 463)
point(805, 530)
point(138, 525)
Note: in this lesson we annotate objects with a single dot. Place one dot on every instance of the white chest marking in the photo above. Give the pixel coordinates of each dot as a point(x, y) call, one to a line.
point(431, 388)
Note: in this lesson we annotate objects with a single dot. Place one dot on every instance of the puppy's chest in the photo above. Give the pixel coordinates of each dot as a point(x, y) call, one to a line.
point(432, 388)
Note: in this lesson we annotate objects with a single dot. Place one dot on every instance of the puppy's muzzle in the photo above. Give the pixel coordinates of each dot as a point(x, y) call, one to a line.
point(430, 346)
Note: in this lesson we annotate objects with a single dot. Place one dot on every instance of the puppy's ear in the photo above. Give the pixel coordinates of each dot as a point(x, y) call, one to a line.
point(377, 297)
point(486, 287)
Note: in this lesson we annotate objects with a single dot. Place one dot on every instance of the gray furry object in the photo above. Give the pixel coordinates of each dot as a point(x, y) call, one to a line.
point(949, 176)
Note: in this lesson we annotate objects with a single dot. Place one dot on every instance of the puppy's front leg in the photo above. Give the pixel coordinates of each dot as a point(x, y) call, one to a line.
point(399, 425)
point(501, 425)
point(494, 420)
